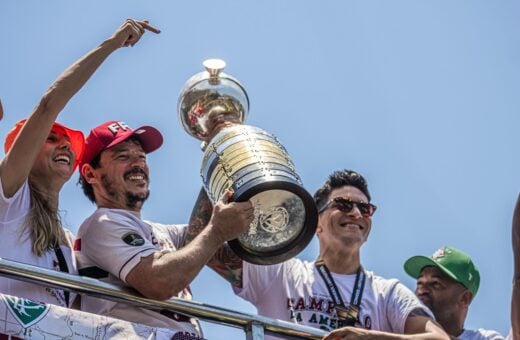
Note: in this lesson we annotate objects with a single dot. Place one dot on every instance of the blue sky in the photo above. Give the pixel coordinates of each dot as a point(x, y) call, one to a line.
point(419, 96)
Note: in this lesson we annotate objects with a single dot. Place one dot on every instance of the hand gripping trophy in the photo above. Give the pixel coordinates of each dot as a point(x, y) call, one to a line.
point(250, 161)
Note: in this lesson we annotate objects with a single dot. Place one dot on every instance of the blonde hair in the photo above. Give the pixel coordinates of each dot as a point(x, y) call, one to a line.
point(43, 222)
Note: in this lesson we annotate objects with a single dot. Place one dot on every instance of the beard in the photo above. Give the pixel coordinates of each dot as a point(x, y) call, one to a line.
point(131, 199)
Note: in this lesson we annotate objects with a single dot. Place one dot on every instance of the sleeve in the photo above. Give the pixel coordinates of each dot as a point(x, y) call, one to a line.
point(17, 206)
point(401, 301)
point(178, 234)
point(115, 243)
point(257, 280)
point(493, 335)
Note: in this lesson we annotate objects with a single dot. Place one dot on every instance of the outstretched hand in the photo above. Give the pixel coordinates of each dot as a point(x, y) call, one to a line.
point(129, 33)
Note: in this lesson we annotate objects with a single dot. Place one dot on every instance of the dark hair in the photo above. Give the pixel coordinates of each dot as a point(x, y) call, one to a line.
point(338, 179)
point(86, 186)
point(95, 163)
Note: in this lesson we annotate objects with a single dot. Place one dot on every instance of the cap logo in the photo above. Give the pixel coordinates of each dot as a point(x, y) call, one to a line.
point(438, 254)
point(114, 127)
point(470, 277)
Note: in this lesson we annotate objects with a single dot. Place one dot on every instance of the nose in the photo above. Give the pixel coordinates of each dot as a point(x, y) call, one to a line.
point(422, 289)
point(64, 143)
point(138, 160)
point(355, 212)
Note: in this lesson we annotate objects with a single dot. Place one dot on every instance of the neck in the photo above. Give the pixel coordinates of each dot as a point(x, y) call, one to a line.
point(51, 191)
point(343, 261)
point(452, 324)
point(115, 205)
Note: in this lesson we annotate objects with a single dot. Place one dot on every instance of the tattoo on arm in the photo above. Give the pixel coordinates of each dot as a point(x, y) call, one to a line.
point(225, 262)
point(200, 216)
point(228, 265)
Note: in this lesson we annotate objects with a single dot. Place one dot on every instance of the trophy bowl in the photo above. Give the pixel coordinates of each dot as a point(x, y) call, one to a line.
point(250, 161)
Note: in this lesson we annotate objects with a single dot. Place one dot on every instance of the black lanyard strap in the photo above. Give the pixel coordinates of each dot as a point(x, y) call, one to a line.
point(63, 268)
point(347, 315)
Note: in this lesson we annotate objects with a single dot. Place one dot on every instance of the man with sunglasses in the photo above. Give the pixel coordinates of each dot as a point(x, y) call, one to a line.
point(334, 291)
point(447, 283)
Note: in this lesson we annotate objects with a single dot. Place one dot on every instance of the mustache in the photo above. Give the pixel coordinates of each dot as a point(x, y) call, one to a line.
point(136, 171)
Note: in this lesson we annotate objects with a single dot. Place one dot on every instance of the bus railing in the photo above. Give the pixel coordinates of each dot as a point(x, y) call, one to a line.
point(255, 326)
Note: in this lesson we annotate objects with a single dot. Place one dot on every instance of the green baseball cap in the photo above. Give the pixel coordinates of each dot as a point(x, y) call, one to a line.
point(452, 262)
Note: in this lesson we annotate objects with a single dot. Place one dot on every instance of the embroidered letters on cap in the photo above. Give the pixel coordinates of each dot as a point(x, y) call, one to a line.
point(114, 127)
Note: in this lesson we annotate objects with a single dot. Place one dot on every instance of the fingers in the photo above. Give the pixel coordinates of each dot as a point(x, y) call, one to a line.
point(149, 27)
point(1, 111)
point(134, 29)
point(227, 196)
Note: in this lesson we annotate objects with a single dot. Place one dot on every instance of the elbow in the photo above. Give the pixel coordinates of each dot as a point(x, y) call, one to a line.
point(50, 103)
point(161, 290)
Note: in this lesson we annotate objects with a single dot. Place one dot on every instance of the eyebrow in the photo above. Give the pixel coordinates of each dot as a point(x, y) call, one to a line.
point(54, 133)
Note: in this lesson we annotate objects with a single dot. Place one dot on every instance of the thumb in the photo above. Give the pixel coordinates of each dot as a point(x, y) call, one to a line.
point(227, 196)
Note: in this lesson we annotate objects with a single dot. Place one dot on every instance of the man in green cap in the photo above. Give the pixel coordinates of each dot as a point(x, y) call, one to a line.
point(447, 282)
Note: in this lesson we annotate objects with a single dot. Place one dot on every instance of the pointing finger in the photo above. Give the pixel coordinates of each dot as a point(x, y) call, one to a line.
point(148, 27)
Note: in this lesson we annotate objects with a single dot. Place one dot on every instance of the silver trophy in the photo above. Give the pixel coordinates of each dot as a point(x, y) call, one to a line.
point(250, 161)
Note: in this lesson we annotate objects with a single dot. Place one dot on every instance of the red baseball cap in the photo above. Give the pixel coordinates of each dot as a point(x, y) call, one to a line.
point(77, 139)
point(111, 133)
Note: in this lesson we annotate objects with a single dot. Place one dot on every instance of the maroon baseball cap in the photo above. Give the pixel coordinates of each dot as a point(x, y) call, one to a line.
point(114, 132)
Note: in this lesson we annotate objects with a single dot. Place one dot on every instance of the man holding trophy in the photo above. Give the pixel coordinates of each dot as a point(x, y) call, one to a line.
point(335, 292)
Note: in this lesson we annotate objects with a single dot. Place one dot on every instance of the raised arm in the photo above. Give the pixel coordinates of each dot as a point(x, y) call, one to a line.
point(17, 164)
point(224, 262)
point(162, 275)
point(515, 299)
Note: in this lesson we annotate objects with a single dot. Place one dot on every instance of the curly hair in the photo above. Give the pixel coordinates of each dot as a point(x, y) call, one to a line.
point(338, 179)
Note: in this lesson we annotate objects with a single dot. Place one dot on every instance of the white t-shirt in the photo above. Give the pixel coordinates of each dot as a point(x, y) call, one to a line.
point(294, 291)
point(16, 245)
point(480, 334)
point(110, 243)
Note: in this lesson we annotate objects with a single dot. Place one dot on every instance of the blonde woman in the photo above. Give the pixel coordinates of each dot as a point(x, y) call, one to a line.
point(40, 156)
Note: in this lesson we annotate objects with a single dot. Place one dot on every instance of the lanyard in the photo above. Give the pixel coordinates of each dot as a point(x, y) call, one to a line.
point(63, 268)
point(347, 315)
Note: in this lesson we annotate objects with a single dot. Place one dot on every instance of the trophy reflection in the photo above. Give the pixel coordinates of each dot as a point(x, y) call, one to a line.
point(250, 161)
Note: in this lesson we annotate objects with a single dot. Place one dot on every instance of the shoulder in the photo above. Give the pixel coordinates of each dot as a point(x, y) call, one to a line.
point(383, 285)
point(104, 218)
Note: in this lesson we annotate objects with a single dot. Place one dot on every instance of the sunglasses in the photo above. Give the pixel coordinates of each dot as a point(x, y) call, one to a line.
point(345, 204)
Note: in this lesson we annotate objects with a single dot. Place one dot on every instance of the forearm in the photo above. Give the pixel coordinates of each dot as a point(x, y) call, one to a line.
point(15, 168)
point(515, 310)
point(228, 265)
point(75, 76)
point(515, 299)
point(224, 262)
point(163, 275)
point(200, 216)
point(516, 239)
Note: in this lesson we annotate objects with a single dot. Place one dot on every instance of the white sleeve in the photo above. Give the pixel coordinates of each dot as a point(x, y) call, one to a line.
point(257, 280)
point(16, 206)
point(178, 234)
point(401, 301)
point(115, 244)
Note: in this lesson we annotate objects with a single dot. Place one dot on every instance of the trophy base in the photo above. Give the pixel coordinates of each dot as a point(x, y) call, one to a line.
point(285, 221)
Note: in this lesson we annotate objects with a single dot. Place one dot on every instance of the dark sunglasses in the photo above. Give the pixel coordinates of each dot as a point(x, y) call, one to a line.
point(346, 205)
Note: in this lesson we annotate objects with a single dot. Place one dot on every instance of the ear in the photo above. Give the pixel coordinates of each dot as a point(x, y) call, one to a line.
point(89, 173)
point(319, 229)
point(466, 297)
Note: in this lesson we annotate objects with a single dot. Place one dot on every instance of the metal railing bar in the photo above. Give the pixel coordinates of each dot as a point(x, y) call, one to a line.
point(96, 288)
